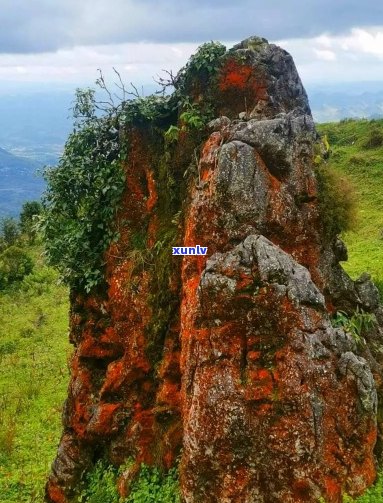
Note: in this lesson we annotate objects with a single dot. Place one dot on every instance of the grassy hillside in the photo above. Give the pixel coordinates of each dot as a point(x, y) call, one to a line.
point(33, 380)
point(357, 151)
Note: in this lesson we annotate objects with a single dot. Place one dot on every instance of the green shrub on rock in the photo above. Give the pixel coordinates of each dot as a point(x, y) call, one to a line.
point(80, 205)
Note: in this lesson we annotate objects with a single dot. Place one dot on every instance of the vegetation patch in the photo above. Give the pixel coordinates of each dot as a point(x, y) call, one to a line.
point(150, 486)
point(82, 198)
point(85, 189)
point(374, 138)
point(356, 324)
point(33, 375)
point(337, 203)
point(365, 239)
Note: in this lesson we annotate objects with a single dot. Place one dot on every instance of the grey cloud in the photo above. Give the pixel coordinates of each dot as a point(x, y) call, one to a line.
point(43, 25)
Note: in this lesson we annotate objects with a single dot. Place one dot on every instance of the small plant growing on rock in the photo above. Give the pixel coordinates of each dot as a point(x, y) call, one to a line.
point(204, 63)
point(152, 486)
point(193, 118)
point(356, 324)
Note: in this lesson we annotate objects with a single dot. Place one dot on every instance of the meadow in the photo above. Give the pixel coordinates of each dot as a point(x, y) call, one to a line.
point(357, 153)
point(34, 374)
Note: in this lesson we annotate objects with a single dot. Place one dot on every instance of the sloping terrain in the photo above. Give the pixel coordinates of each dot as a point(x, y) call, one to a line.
point(357, 152)
point(33, 379)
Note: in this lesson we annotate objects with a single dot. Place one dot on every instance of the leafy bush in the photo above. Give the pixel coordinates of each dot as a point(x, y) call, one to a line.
point(39, 281)
point(204, 64)
point(15, 264)
point(28, 217)
point(9, 231)
point(373, 139)
point(337, 202)
point(81, 201)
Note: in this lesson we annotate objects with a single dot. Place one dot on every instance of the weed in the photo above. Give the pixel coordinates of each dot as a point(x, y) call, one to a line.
point(7, 348)
point(27, 332)
point(356, 324)
point(7, 435)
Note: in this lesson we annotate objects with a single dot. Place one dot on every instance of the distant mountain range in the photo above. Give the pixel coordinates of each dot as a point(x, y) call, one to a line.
point(19, 182)
point(33, 130)
point(347, 100)
point(34, 124)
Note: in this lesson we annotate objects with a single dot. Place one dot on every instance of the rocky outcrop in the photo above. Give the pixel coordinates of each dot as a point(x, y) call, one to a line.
point(232, 356)
point(263, 375)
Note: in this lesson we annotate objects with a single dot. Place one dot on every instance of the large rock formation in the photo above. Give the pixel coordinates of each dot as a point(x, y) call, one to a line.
point(232, 356)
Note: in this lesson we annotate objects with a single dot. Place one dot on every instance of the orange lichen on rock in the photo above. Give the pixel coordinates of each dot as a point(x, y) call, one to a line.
point(229, 358)
point(239, 76)
point(55, 494)
point(235, 74)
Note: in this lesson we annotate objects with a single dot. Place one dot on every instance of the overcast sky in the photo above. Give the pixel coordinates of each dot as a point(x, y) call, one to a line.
point(65, 41)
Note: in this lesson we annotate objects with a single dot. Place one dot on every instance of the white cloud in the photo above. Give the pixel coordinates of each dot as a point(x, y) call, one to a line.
point(364, 41)
point(136, 62)
point(41, 25)
point(324, 40)
point(358, 55)
point(325, 54)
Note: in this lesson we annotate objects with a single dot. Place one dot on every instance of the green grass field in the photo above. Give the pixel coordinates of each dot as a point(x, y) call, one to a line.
point(33, 379)
point(353, 156)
